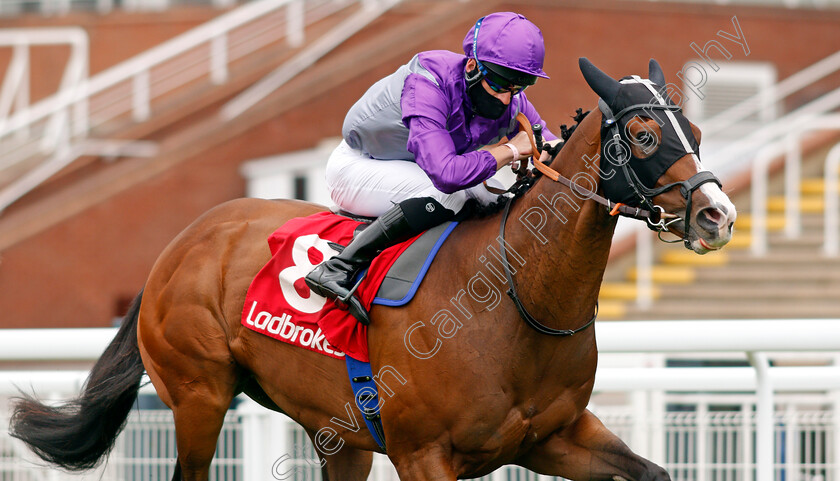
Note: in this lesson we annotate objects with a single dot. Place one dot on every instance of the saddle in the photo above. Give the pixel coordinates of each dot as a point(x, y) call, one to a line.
point(279, 304)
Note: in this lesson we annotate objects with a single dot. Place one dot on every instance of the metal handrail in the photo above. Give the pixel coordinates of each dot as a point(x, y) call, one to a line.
point(791, 146)
point(56, 124)
point(15, 88)
point(142, 63)
point(779, 91)
point(776, 138)
point(778, 335)
point(254, 94)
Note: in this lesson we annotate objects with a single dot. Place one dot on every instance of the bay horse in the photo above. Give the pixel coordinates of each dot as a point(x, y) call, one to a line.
point(466, 386)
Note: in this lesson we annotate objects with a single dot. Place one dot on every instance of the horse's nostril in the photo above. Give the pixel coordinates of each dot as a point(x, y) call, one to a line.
point(711, 219)
point(714, 215)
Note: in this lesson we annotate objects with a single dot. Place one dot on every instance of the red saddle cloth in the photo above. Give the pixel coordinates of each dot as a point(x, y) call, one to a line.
point(279, 304)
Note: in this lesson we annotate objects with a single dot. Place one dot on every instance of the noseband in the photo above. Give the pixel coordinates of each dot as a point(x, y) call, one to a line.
point(656, 220)
point(654, 215)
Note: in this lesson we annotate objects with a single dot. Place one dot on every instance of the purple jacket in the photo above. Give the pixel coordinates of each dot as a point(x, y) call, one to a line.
point(422, 113)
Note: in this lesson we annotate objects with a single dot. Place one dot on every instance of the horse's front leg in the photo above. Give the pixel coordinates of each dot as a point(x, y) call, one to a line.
point(588, 451)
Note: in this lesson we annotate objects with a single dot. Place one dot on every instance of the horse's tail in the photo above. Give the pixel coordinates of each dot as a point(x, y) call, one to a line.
point(78, 433)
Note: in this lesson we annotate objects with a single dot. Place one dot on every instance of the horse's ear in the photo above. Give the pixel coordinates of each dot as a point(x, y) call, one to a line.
point(605, 86)
point(655, 74)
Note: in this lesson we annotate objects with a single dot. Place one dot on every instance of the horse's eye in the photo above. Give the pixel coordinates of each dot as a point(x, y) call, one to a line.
point(646, 138)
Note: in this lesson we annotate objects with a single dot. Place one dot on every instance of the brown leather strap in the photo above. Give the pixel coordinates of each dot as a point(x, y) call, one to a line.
point(614, 208)
point(525, 124)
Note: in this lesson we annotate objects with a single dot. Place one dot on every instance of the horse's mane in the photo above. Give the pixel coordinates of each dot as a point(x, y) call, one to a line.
point(473, 210)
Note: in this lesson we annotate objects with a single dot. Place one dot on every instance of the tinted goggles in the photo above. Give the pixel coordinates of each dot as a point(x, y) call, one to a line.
point(497, 83)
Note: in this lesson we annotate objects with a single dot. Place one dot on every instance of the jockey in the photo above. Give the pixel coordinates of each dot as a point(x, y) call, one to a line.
point(420, 142)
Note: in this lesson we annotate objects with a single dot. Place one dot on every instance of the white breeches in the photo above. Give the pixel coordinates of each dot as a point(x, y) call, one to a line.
point(369, 187)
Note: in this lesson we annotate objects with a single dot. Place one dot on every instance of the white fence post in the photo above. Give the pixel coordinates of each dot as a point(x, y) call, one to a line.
point(15, 89)
point(758, 197)
point(831, 245)
point(764, 416)
point(253, 440)
point(294, 23)
point(657, 427)
point(78, 83)
point(644, 266)
point(219, 59)
point(702, 441)
point(140, 96)
point(791, 454)
point(793, 174)
point(638, 438)
point(746, 438)
point(835, 416)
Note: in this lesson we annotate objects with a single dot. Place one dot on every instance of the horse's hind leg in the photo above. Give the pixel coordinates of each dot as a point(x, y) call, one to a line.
point(197, 426)
point(588, 451)
point(199, 405)
point(196, 378)
point(347, 464)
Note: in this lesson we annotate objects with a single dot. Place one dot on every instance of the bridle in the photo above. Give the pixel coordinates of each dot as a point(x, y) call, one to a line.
point(657, 220)
point(653, 214)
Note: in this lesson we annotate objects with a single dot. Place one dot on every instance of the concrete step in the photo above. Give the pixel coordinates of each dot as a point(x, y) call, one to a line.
point(811, 204)
point(776, 221)
point(755, 291)
point(685, 257)
point(611, 309)
point(813, 186)
point(790, 258)
point(810, 241)
point(621, 291)
point(661, 274)
point(811, 273)
point(807, 241)
point(710, 308)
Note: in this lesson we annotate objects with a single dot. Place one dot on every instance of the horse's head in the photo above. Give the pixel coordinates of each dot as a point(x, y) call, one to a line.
point(650, 159)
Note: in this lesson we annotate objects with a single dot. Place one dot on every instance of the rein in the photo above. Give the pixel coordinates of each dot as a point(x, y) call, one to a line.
point(654, 215)
point(614, 208)
point(529, 319)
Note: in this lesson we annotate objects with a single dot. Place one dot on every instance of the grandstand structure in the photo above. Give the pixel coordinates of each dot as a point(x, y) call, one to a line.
point(122, 121)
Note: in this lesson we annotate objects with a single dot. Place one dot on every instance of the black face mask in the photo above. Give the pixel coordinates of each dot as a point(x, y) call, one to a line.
point(648, 170)
point(483, 103)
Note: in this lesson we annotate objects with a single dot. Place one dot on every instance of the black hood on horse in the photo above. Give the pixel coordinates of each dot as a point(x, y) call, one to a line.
point(628, 98)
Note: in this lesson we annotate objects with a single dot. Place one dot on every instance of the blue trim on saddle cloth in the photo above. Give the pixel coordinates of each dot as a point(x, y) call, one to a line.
point(419, 248)
point(366, 395)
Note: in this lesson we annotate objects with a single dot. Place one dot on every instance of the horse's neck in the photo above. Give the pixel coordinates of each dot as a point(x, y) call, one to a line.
point(564, 239)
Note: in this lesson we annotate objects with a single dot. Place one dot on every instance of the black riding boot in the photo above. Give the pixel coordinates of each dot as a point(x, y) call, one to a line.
point(334, 278)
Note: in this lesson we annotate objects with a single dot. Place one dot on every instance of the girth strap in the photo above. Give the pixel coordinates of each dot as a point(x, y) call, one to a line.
point(366, 395)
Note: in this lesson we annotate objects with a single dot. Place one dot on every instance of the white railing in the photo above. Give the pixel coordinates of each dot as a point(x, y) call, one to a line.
point(63, 7)
point(371, 9)
point(790, 147)
point(760, 340)
point(130, 91)
point(831, 219)
point(15, 90)
point(758, 102)
point(808, 4)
